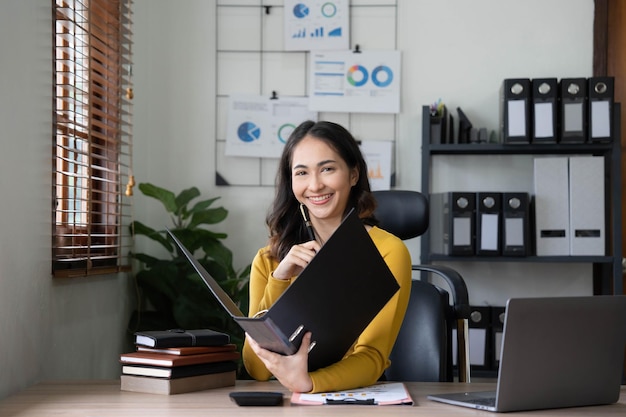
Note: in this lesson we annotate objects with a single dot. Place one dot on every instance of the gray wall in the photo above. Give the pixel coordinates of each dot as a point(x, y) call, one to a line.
point(53, 329)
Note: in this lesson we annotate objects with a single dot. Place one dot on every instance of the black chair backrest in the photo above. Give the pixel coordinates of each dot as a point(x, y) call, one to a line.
point(391, 211)
point(422, 351)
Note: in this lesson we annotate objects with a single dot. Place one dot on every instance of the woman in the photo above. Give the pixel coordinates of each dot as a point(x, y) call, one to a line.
point(323, 170)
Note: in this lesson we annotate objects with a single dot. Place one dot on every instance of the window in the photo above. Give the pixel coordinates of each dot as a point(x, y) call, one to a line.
point(92, 178)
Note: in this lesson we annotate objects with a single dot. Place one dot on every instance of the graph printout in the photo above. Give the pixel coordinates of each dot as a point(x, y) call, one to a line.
point(316, 25)
point(364, 82)
point(259, 126)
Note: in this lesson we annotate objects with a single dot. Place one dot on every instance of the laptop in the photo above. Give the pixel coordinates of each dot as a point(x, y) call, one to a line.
point(335, 297)
point(556, 353)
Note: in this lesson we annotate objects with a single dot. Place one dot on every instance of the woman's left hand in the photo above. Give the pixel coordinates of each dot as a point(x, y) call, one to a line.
point(291, 370)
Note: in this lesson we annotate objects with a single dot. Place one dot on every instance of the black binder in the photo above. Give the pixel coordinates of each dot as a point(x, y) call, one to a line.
point(479, 337)
point(465, 127)
point(497, 329)
point(335, 297)
point(439, 127)
point(601, 96)
point(452, 223)
point(573, 110)
point(544, 96)
point(515, 110)
point(515, 224)
point(488, 223)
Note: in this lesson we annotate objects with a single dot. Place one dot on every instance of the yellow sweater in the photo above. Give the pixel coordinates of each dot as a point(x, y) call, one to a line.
point(366, 360)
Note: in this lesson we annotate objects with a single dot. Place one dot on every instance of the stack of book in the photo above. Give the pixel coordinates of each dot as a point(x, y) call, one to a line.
point(177, 361)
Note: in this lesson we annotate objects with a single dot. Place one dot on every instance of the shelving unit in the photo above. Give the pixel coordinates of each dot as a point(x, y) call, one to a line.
point(607, 270)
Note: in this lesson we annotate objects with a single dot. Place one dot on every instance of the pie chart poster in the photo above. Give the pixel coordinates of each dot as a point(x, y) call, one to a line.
point(364, 82)
point(260, 126)
point(316, 25)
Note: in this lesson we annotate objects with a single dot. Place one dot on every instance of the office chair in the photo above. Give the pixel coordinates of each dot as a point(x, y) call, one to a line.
point(423, 350)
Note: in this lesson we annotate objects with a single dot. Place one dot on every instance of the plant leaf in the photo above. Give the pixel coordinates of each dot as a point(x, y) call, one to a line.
point(208, 216)
point(183, 199)
point(138, 228)
point(164, 196)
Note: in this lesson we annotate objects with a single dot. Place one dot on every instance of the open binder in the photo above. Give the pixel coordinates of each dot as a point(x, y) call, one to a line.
point(335, 297)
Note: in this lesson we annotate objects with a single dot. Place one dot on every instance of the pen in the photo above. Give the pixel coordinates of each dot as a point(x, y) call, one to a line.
point(307, 222)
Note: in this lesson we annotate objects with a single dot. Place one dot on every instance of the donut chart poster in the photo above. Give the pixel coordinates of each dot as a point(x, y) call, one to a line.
point(357, 82)
point(316, 25)
point(259, 126)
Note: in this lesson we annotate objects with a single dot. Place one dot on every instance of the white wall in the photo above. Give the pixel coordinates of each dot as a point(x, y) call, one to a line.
point(456, 50)
point(51, 329)
point(453, 49)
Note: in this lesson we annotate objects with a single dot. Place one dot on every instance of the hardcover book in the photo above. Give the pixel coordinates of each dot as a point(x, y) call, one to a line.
point(181, 338)
point(192, 350)
point(158, 359)
point(179, 371)
point(176, 386)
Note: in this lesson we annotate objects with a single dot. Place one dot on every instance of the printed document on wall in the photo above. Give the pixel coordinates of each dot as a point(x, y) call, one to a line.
point(260, 126)
point(364, 82)
point(377, 154)
point(316, 25)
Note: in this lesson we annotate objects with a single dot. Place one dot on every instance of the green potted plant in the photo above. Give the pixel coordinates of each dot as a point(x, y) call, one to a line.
point(170, 293)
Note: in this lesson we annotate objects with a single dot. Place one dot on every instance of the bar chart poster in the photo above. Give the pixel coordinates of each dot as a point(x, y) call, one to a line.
point(316, 25)
point(260, 126)
point(378, 155)
point(364, 82)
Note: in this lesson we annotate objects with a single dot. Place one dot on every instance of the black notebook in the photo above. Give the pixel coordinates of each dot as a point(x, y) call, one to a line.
point(335, 297)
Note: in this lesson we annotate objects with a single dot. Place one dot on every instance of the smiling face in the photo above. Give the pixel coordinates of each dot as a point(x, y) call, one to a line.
point(321, 180)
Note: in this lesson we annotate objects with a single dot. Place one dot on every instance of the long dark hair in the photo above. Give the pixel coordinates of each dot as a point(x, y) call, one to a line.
point(284, 219)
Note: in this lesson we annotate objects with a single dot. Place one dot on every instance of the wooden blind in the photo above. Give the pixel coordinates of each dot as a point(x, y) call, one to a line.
point(92, 178)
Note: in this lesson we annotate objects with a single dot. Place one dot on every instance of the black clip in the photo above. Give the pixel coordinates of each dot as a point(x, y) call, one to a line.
point(274, 96)
point(357, 49)
point(350, 400)
point(267, 9)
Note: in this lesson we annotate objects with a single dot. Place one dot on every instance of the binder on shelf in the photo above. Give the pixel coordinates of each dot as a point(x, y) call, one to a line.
point(452, 223)
point(515, 110)
point(515, 224)
point(573, 110)
point(586, 205)
point(488, 223)
point(601, 95)
point(551, 190)
point(479, 339)
point(497, 328)
point(438, 127)
point(544, 120)
point(465, 127)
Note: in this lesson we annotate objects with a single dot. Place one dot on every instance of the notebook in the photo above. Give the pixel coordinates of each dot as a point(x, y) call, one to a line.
point(335, 297)
point(556, 353)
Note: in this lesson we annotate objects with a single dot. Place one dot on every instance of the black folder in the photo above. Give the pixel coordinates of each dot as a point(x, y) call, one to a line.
point(515, 110)
point(453, 224)
point(479, 336)
point(544, 97)
point(497, 329)
point(438, 127)
point(488, 223)
point(601, 96)
point(515, 224)
point(335, 297)
point(465, 127)
point(573, 110)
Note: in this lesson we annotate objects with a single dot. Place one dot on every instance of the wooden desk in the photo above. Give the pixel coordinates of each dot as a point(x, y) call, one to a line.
point(104, 398)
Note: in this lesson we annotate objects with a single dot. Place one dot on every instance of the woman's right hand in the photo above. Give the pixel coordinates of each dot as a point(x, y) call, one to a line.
point(296, 260)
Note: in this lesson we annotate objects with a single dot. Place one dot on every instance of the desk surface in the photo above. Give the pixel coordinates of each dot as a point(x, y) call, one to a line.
point(104, 398)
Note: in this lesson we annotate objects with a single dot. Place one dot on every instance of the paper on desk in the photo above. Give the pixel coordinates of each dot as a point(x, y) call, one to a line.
point(382, 393)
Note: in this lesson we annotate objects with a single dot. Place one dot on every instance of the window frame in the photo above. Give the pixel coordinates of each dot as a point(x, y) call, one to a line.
point(92, 141)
